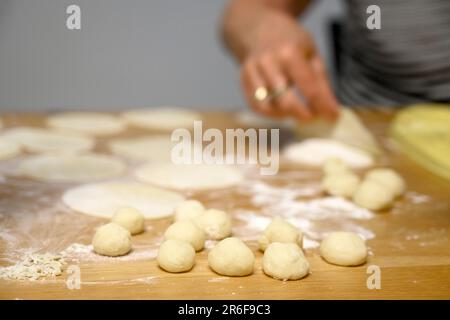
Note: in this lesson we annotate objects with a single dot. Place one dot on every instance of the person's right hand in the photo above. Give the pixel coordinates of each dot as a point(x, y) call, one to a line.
point(284, 63)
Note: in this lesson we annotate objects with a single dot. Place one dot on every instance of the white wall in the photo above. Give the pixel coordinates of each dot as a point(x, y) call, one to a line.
point(129, 53)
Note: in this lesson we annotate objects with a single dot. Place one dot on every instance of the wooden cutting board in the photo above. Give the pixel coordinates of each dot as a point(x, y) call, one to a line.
point(411, 244)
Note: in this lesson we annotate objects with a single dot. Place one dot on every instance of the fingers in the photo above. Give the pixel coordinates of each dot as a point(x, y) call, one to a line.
point(287, 103)
point(327, 105)
point(251, 80)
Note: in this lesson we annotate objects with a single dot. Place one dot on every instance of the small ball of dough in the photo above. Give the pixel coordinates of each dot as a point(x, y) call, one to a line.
point(285, 261)
point(176, 256)
point(215, 223)
point(112, 240)
point(231, 257)
point(129, 218)
point(344, 249)
point(334, 165)
point(389, 179)
point(373, 196)
point(186, 230)
point(342, 184)
point(189, 209)
point(280, 230)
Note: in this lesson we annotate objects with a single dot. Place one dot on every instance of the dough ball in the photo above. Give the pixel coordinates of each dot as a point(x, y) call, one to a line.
point(280, 230)
point(342, 184)
point(231, 257)
point(334, 165)
point(186, 231)
point(176, 256)
point(112, 240)
point(344, 249)
point(389, 179)
point(373, 196)
point(189, 210)
point(285, 261)
point(215, 223)
point(129, 218)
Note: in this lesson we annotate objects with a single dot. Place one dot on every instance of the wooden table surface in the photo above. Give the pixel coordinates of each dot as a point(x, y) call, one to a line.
point(411, 245)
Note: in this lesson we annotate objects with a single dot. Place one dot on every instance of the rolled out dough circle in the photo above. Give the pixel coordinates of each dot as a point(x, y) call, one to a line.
point(90, 123)
point(316, 151)
point(162, 118)
point(48, 141)
point(71, 168)
point(8, 149)
point(147, 148)
point(193, 177)
point(104, 199)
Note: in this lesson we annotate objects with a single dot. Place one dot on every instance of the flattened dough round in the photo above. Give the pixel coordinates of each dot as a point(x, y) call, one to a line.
point(71, 168)
point(193, 177)
point(316, 151)
point(8, 149)
point(155, 148)
point(104, 199)
point(48, 141)
point(162, 118)
point(90, 123)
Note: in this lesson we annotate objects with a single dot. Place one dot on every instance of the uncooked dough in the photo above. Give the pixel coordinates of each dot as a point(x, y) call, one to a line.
point(373, 196)
point(90, 123)
point(316, 151)
point(344, 249)
point(162, 118)
point(280, 230)
point(156, 148)
point(189, 210)
point(231, 257)
point(341, 184)
point(186, 231)
point(176, 256)
point(71, 168)
point(112, 240)
point(334, 165)
point(285, 261)
point(215, 223)
point(348, 128)
point(48, 141)
point(130, 218)
point(8, 149)
point(104, 199)
point(389, 179)
point(193, 177)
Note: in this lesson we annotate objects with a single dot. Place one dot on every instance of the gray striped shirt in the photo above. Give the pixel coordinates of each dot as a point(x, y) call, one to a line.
point(406, 61)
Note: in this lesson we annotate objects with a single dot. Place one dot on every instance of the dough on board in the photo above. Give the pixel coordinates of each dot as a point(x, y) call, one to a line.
point(316, 151)
point(285, 261)
point(112, 240)
point(104, 199)
point(189, 210)
point(176, 256)
point(48, 141)
point(215, 223)
point(71, 168)
point(90, 123)
point(130, 218)
point(162, 118)
point(8, 149)
point(186, 231)
point(280, 230)
point(348, 129)
point(155, 148)
point(344, 249)
point(189, 177)
point(231, 257)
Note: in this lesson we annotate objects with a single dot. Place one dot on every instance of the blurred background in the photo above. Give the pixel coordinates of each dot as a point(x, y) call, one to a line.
point(128, 54)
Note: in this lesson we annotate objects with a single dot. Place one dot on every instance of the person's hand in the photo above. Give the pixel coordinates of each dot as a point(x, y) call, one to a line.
point(283, 75)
